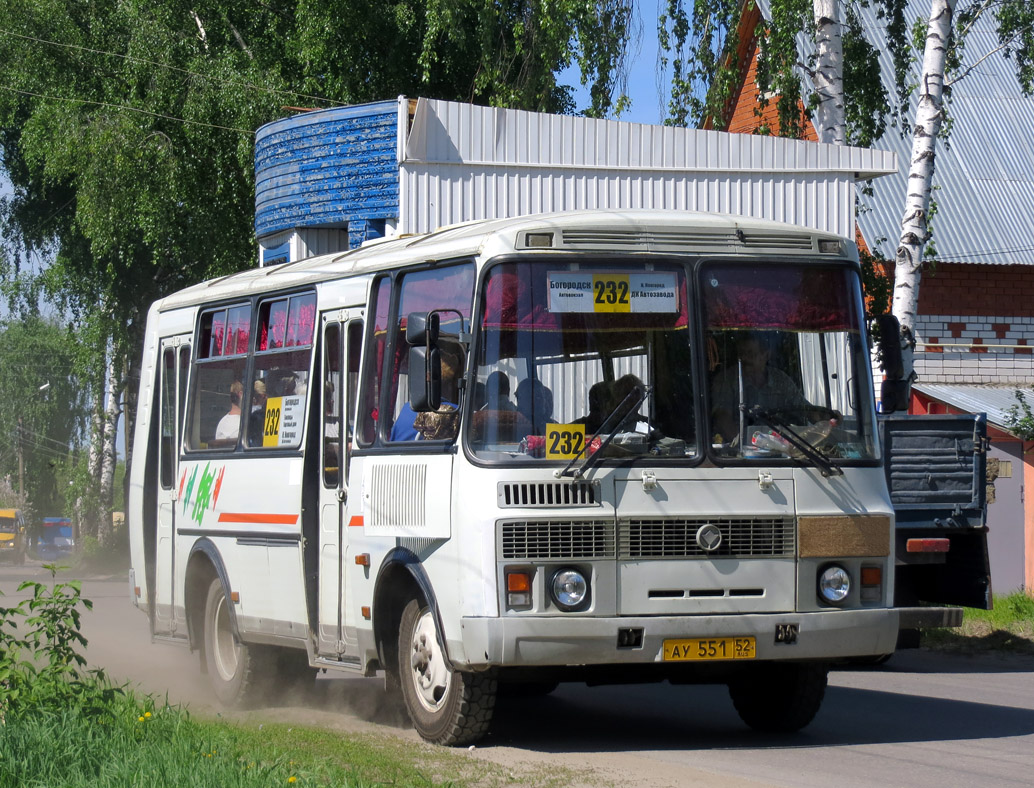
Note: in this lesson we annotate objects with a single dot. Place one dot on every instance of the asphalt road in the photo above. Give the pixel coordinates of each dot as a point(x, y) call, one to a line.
point(923, 719)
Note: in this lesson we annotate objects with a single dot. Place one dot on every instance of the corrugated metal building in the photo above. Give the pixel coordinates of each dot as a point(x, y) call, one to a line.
point(341, 176)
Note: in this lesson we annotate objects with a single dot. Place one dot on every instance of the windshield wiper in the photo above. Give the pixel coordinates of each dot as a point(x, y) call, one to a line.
point(630, 404)
point(826, 466)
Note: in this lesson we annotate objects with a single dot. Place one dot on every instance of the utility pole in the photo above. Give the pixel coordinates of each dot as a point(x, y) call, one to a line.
point(21, 461)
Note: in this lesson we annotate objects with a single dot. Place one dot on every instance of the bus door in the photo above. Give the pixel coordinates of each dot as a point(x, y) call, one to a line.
point(172, 385)
point(342, 342)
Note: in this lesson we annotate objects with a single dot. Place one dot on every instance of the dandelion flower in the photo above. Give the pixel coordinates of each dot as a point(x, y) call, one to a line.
point(292, 779)
point(139, 719)
point(147, 714)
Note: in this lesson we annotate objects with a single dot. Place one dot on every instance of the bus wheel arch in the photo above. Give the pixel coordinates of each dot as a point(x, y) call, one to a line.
point(401, 578)
point(446, 706)
point(203, 565)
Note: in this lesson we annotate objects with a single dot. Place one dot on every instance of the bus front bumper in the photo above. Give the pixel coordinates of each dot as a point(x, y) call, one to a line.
point(518, 641)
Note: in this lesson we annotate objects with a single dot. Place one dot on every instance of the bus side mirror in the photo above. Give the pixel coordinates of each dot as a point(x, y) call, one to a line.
point(422, 328)
point(425, 361)
point(891, 362)
point(425, 378)
point(894, 395)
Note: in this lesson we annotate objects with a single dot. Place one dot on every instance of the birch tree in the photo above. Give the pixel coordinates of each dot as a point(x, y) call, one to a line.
point(926, 128)
point(828, 74)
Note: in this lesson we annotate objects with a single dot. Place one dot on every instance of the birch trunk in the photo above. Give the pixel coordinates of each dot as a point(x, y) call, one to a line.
point(113, 391)
point(914, 230)
point(830, 118)
point(86, 503)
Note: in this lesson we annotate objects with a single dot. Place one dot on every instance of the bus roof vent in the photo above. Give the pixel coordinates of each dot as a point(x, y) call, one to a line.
point(683, 240)
point(547, 495)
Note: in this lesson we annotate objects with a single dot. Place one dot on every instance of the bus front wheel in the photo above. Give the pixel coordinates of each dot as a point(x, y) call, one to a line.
point(447, 706)
point(779, 697)
point(236, 670)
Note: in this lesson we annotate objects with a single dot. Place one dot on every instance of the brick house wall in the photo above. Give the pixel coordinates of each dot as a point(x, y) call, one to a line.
point(975, 324)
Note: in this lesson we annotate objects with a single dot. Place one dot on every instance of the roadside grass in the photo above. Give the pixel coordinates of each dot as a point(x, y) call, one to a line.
point(133, 743)
point(62, 724)
point(1008, 628)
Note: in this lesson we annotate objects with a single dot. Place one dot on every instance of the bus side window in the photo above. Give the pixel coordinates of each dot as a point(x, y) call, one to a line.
point(168, 419)
point(369, 409)
point(450, 290)
point(332, 391)
point(217, 390)
point(280, 380)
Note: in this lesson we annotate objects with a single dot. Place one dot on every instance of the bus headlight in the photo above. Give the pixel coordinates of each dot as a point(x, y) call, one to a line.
point(570, 589)
point(834, 584)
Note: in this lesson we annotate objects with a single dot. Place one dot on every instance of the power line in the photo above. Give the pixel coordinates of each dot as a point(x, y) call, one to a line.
point(127, 109)
point(217, 80)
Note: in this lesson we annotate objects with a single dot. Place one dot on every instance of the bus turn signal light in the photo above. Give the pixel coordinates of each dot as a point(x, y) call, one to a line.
point(872, 575)
point(518, 589)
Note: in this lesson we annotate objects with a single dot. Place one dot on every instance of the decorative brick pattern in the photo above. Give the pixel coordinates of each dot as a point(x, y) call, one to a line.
point(975, 349)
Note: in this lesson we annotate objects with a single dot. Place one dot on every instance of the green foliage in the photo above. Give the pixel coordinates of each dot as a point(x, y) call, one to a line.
point(36, 353)
point(1016, 31)
point(865, 116)
point(1020, 418)
point(696, 43)
point(40, 663)
point(127, 127)
point(876, 285)
point(1007, 627)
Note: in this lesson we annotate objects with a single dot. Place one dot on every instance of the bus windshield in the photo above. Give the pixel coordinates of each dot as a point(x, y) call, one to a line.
point(786, 362)
point(575, 359)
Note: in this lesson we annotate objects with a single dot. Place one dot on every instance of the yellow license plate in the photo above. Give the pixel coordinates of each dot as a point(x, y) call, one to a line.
point(692, 649)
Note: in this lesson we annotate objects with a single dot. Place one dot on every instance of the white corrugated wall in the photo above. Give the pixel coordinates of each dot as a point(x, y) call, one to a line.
point(464, 162)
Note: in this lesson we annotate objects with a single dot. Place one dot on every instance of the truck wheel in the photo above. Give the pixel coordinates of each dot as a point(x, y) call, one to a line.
point(779, 698)
point(237, 671)
point(447, 706)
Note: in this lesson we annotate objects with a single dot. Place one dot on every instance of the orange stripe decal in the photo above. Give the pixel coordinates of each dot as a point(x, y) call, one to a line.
point(356, 521)
point(262, 519)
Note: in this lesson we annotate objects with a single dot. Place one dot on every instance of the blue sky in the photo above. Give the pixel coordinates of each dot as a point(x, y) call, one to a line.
point(642, 78)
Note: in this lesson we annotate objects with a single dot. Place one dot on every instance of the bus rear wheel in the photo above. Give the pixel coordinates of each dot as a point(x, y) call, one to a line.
point(779, 697)
point(237, 671)
point(448, 707)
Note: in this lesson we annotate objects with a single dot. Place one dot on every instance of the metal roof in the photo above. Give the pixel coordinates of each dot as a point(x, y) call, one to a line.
point(984, 173)
point(984, 176)
point(996, 401)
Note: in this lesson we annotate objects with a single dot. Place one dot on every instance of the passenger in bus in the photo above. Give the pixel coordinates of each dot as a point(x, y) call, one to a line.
point(257, 416)
point(627, 390)
point(444, 423)
point(764, 386)
point(599, 396)
point(535, 403)
point(432, 425)
point(497, 392)
point(229, 426)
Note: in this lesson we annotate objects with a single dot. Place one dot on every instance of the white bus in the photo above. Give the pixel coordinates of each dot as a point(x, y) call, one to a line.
point(593, 446)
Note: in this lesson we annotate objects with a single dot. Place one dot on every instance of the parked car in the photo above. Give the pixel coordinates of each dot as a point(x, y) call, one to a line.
point(55, 539)
point(12, 536)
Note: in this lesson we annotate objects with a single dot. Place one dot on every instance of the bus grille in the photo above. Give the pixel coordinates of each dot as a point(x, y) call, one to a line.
point(555, 539)
point(753, 537)
point(547, 494)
